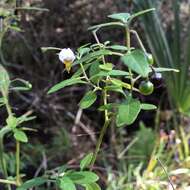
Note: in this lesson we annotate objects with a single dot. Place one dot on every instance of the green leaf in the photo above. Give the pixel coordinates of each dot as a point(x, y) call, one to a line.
point(84, 51)
point(83, 177)
point(118, 73)
point(128, 112)
point(137, 62)
point(2, 102)
point(124, 17)
point(20, 136)
point(29, 8)
point(66, 184)
point(115, 88)
point(25, 118)
point(80, 70)
point(141, 13)
point(35, 182)
point(120, 83)
point(108, 106)
point(45, 49)
point(110, 73)
point(19, 88)
point(118, 47)
point(94, 70)
point(12, 122)
point(92, 186)
point(162, 69)
point(93, 55)
point(65, 83)
point(148, 106)
point(62, 169)
point(106, 67)
point(15, 28)
point(4, 80)
point(4, 131)
point(88, 99)
point(85, 162)
point(20, 85)
point(96, 27)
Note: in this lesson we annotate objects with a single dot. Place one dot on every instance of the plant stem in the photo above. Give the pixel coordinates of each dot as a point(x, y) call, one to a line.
point(139, 40)
point(128, 43)
point(1, 41)
point(3, 164)
point(18, 163)
point(102, 132)
point(5, 181)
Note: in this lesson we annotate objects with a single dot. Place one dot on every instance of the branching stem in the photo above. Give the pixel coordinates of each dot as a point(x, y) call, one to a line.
point(102, 132)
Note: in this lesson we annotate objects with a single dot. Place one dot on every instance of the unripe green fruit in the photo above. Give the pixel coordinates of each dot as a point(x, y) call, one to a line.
point(150, 58)
point(146, 87)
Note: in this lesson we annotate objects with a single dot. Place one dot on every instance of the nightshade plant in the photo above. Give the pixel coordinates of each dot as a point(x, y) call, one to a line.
point(102, 77)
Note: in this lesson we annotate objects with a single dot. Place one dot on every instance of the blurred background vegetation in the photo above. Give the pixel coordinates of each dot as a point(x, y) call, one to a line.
point(65, 133)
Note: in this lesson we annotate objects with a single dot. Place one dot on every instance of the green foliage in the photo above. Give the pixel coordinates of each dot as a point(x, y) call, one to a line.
point(144, 146)
point(83, 177)
point(148, 107)
point(88, 99)
point(85, 162)
point(130, 108)
point(66, 183)
point(102, 77)
point(65, 83)
point(137, 62)
point(92, 186)
point(4, 80)
point(20, 136)
point(175, 54)
point(35, 182)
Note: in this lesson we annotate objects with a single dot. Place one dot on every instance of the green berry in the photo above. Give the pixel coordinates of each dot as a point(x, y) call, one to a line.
point(150, 58)
point(146, 87)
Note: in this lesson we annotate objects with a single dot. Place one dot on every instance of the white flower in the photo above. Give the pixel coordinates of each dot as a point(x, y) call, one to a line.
point(67, 57)
point(178, 141)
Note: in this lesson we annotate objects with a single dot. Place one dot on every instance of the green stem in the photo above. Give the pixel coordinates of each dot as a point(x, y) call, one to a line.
point(8, 108)
point(139, 40)
point(18, 163)
point(128, 43)
point(3, 163)
point(1, 42)
point(5, 181)
point(102, 132)
point(2, 160)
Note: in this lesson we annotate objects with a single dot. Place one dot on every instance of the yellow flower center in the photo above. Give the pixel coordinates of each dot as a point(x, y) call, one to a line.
point(68, 64)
